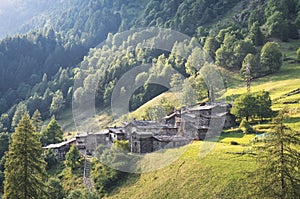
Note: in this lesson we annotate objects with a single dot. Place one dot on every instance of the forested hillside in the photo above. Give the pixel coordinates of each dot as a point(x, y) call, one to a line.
point(46, 46)
point(42, 63)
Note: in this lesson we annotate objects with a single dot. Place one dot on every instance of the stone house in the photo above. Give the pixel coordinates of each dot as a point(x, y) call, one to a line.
point(61, 149)
point(177, 129)
point(206, 120)
point(149, 136)
point(141, 142)
point(88, 142)
point(116, 133)
point(201, 121)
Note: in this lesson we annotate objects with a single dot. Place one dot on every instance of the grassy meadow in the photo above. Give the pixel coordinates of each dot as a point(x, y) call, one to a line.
point(220, 174)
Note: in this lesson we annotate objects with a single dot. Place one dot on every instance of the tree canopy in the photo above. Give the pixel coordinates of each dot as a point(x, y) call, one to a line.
point(25, 172)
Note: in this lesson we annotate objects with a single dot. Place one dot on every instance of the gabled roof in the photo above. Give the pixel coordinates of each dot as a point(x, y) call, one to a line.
point(102, 132)
point(144, 123)
point(116, 130)
point(165, 138)
point(175, 113)
point(208, 106)
point(58, 145)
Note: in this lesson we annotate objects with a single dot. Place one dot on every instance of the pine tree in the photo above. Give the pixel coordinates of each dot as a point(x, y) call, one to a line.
point(278, 174)
point(53, 133)
point(20, 111)
point(37, 120)
point(24, 167)
point(72, 157)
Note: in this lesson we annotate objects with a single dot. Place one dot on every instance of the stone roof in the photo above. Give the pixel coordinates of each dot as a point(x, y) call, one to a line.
point(165, 138)
point(144, 123)
point(116, 130)
point(208, 106)
point(175, 113)
point(58, 145)
point(86, 134)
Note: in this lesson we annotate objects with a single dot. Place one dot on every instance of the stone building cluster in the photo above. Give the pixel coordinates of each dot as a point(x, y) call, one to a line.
point(176, 129)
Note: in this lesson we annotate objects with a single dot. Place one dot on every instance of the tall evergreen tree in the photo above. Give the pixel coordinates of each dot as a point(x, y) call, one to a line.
point(20, 111)
point(53, 133)
point(24, 167)
point(72, 157)
point(37, 120)
point(278, 173)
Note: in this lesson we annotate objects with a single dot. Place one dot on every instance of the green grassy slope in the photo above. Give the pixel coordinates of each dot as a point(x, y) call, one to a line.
point(220, 174)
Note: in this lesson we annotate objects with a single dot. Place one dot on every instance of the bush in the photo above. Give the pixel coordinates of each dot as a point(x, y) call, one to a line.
point(246, 127)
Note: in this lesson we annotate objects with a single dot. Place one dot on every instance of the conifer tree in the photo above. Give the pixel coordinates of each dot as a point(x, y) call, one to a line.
point(25, 172)
point(53, 133)
point(37, 120)
point(72, 157)
point(20, 111)
point(278, 174)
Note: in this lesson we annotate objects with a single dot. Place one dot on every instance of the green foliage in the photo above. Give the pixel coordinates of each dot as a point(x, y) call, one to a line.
point(278, 173)
point(4, 140)
point(73, 158)
point(5, 123)
point(264, 104)
point(246, 127)
point(122, 145)
point(277, 26)
point(271, 57)
point(188, 95)
point(53, 133)
point(50, 158)
point(176, 82)
point(251, 62)
point(211, 45)
point(2, 176)
point(224, 53)
point(54, 189)
point(75, 194)
point(242, 49)
point(160, 110)
point(24, 167)
point(104, 177)
point(251, 105)
point(37, 120)
point(256, 34)
point(82, 194)
point(20, 111)
point(57, 104)
point(245, 106)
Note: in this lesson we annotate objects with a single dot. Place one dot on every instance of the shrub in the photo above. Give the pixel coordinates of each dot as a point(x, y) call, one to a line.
point(246, 127)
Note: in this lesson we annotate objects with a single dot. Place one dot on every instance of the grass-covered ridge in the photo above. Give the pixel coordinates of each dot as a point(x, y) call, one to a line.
point(220, 174)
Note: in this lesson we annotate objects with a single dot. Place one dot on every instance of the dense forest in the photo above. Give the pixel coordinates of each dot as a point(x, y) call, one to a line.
point(57, 43)
point(41, 64)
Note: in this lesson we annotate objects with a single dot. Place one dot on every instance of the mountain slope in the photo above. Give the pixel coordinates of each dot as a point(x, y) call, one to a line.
point(221, 174)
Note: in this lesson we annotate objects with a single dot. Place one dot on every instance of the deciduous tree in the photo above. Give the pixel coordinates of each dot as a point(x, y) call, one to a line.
point(271, 57)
